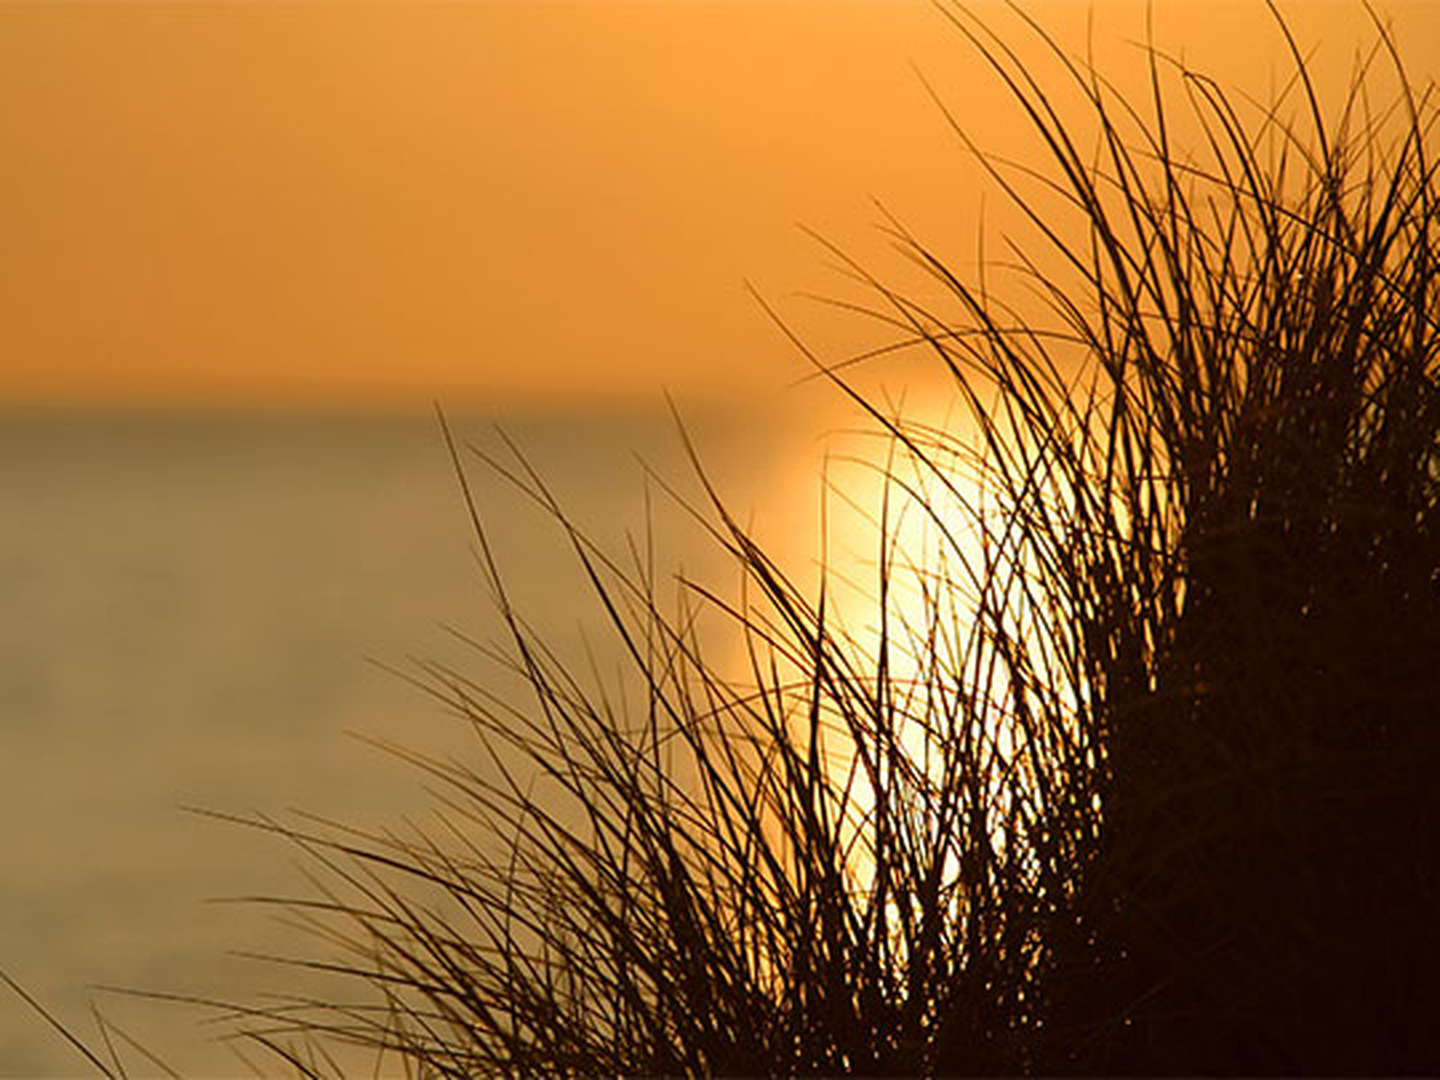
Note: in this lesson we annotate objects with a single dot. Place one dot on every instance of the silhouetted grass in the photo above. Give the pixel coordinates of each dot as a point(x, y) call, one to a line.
point(1144, 781)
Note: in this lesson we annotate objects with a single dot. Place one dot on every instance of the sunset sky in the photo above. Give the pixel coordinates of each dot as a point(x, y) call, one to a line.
point(505, 201)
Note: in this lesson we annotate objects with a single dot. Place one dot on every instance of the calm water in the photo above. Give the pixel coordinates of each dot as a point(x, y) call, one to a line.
point(188, 605)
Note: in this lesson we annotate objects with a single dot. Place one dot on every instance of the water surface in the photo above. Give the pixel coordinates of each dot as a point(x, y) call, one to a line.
point(189, 604)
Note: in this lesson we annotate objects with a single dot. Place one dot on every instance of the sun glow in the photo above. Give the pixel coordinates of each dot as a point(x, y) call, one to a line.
point(924, 579)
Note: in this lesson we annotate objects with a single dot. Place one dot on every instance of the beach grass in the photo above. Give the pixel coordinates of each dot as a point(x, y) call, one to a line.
point(1145, 781)
point(1142, 782)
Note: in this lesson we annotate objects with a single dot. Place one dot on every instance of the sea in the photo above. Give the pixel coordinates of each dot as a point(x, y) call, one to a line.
point(203, 614)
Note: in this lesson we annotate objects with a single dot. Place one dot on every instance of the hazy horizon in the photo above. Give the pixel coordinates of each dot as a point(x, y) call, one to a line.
point(507, 204)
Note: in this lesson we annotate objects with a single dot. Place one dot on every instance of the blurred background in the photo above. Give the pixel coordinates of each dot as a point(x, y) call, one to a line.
point(247, 246)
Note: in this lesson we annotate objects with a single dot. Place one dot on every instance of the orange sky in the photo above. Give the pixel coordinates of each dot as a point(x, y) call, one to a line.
point(497, 201)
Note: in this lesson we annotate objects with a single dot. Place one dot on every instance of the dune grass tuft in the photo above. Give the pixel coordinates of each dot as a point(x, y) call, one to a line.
point(1144, 782)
